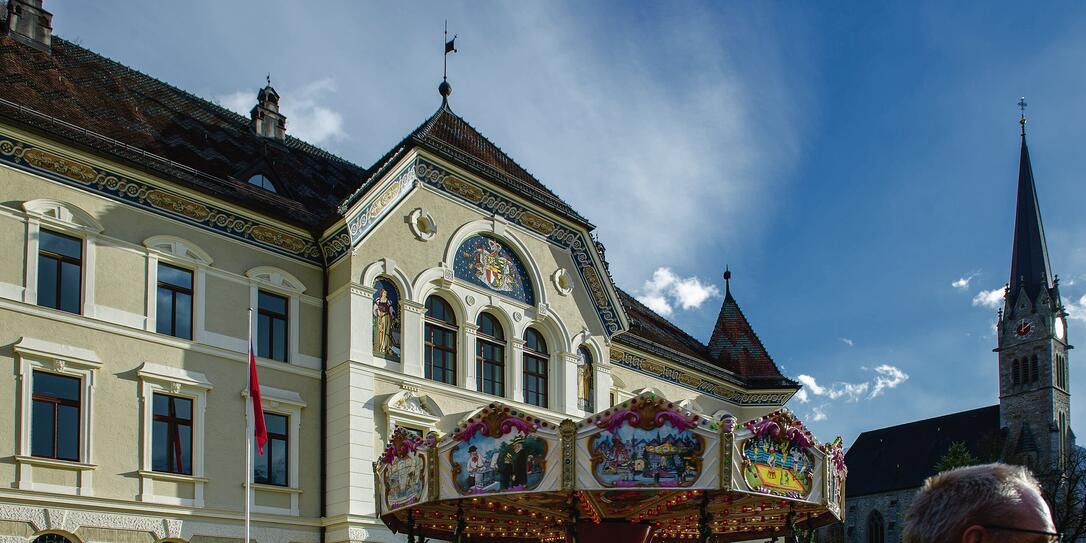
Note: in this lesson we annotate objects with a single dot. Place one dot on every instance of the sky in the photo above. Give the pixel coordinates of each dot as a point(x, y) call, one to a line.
point(854, 164)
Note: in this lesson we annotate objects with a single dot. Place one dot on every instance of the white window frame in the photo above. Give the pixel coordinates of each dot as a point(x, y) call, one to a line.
point(180, 253)
point(408, 409)
point(277, 281)
point(66, 219)
point(288, 403)
point(170, 381)
point(40, 355)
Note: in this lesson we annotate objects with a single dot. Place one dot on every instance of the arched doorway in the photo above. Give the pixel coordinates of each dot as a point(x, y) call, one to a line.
point(876, 527)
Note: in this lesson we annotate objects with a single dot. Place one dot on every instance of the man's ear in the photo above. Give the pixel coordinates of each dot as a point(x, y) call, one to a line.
point(974, 534)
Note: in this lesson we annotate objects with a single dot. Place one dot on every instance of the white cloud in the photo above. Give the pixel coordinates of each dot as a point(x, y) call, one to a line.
point(818, 413)
point(886, 377)
point(989, 298)
point(665, 290)
point(1076, 310)
point(963, 282)
point(847, 341)
point(308, 118)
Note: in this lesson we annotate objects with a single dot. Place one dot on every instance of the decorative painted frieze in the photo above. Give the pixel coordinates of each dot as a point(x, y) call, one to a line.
point(156, 199)
point(687, 379)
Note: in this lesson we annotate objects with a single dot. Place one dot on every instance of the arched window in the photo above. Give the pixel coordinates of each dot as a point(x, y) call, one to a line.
point(876, 529)
point(535, 368)
point(490, 356)
point(1034, 374)
point(260, 180)
point(586, 381)
point(51, 538)
point(1016, 372)
point(440, 337)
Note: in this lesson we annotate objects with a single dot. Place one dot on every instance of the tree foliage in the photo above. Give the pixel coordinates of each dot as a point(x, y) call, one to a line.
point(956, 456)
point(1065, 491)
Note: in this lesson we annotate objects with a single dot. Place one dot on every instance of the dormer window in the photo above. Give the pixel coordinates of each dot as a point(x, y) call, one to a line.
point(260, 180)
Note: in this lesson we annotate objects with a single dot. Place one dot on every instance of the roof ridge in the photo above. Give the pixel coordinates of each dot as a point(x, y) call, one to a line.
point(298, 143)
point(930, 419)
point(423, 134)
point(662, 318)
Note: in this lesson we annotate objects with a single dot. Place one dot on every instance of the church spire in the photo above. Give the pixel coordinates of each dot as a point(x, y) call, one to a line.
point(1029, 258)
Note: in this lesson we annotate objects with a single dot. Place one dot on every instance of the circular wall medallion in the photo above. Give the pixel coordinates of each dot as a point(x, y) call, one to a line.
point(422, 224)
point(563, 281)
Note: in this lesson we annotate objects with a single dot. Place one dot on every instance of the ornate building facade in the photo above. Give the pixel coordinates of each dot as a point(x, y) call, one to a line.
point(142, 223)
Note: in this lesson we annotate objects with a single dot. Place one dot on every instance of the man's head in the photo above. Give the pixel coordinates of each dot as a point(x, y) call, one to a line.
point(976, 504)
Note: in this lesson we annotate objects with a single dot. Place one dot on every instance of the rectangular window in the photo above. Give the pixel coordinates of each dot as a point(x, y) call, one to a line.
point(440, 354)
point(171, 434)
point(535, 380)
point(271, 336)
point(60, 271)
point(54, 427)
point(174, 315)
point(490, 368)
point(271, 468)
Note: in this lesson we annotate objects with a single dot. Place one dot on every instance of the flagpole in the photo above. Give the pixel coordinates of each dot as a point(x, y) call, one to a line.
point(248, 427)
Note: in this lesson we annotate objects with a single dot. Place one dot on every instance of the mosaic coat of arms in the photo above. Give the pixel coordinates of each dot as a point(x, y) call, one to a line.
point(486, 262)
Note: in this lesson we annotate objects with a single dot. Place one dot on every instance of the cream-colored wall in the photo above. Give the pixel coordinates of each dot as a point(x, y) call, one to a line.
point(120, 282)
point(12, 240)
point(229, 313)
point(119, 273)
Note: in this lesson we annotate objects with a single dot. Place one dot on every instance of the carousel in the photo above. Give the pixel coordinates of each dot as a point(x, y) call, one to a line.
point(645, 470)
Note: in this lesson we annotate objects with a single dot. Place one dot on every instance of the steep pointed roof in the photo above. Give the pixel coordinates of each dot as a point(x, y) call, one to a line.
point(450, 136)
point(741, 355)
point(1029, 257)
point(734, 345)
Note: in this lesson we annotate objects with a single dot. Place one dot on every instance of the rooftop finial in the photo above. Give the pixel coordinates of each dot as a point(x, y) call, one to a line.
point(268, 78)
point(1022, 107)
point(727, 280)
point(445, 89)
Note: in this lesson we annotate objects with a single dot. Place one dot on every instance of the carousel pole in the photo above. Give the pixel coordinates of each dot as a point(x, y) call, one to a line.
point(461, 523)
point(574, 514)
point(705, 528)
point(410, 526)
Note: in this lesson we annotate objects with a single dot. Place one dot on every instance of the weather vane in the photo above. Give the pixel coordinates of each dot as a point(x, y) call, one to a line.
point(450, 47)
point(1022, 107)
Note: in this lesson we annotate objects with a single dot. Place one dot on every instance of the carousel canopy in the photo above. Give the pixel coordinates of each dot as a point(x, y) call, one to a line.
point(646, 468)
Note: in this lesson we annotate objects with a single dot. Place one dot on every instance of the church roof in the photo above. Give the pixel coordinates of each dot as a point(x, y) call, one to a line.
point(1029, 257)
point(901, 457)
point(648, 330)
point(97, 103)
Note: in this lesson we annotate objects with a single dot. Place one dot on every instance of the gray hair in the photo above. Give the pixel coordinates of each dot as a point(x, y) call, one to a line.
point(952, 501)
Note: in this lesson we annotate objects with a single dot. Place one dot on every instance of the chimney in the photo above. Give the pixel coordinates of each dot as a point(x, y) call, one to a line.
point(266, 119)
point(29, 24)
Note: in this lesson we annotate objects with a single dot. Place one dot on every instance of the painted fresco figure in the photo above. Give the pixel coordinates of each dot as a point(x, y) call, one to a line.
point(520, 463)
point(584, 380)
point(475, 465)
point(505, 470)
point(384, 317)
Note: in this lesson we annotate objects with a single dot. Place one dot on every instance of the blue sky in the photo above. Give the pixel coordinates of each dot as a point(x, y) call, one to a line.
point(852, 163)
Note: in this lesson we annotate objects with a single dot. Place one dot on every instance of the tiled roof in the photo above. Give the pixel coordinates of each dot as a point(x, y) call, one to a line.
point(734, 345)
point(901, 457)
point(647, 325)
point(101, 104)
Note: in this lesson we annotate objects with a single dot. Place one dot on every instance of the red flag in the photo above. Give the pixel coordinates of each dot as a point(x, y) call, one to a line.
point(260, 430)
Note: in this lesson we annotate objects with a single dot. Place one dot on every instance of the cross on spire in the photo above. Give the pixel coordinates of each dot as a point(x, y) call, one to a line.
point(1022, 107)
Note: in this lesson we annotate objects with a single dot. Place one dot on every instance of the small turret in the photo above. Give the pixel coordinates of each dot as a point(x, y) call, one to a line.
point(265, 116)
point(29, 24)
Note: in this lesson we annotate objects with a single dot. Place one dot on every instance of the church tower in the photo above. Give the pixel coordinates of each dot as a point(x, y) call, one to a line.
point(1034, 398)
